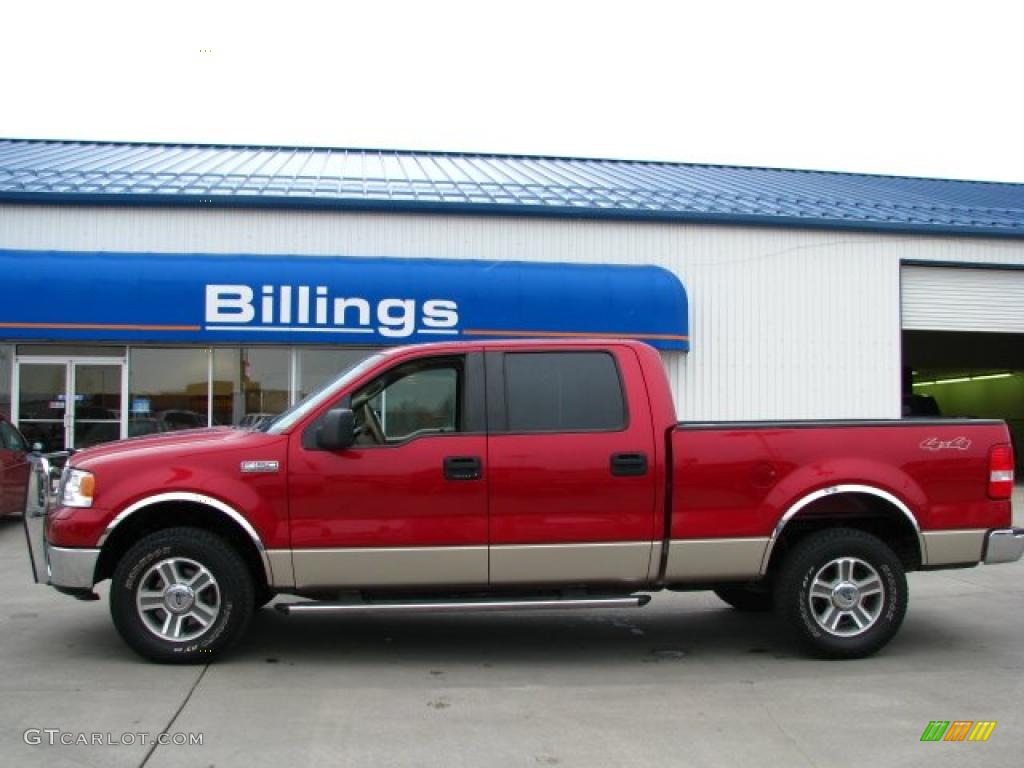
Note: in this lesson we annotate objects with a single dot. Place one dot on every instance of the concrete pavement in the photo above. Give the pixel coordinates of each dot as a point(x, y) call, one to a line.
point(685, 681)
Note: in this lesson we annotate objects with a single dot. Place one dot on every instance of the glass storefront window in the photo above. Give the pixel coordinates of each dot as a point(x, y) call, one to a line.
point(315, 366)
point(168, 390)
point(250, 384)
point(6, 354)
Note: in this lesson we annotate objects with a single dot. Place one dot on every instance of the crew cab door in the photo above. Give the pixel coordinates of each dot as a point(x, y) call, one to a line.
point(406, 506)
point(571, 448)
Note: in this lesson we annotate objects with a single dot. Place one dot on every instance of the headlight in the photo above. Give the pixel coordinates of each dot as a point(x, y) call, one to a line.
point(79, 487)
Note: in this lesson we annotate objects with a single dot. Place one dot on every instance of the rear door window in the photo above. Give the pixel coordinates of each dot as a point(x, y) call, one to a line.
point(563, 392)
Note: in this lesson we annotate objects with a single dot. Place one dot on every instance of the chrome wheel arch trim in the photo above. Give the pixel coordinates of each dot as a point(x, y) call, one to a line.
point(837, 490)
point(194, 498)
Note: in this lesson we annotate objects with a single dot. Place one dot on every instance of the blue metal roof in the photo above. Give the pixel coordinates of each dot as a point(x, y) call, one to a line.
point(389, 180)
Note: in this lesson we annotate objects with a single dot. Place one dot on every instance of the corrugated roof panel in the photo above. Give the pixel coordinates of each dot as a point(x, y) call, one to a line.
point(388, 179)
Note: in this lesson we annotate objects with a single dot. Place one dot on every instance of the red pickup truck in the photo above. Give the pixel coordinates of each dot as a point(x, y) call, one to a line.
point(517, 475)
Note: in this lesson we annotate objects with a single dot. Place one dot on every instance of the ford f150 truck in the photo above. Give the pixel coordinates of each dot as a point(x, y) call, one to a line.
point(516, 475)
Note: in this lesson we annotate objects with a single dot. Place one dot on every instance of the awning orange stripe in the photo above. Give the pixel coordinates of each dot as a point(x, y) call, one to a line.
point(574, 335)
point(98, 327)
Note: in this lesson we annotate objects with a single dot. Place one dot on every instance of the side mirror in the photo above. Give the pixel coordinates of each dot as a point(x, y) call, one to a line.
point(37, 447)
point(338, 430)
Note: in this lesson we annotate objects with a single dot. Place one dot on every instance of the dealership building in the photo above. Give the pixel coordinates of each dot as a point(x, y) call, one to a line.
point(154, 287)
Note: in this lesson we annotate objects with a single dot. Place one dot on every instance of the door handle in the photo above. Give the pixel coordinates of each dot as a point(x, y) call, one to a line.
point(463, 467)
point(629, 464)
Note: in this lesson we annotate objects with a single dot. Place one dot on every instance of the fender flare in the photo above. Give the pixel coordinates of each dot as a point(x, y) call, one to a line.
point(835, 490)
point(194, 498)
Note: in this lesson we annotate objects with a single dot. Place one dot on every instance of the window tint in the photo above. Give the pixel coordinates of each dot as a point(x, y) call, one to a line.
point(563, 392)
point(408, 401)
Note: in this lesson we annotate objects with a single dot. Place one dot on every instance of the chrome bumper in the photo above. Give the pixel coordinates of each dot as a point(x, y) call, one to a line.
point(57, 566)
point(1004, 546)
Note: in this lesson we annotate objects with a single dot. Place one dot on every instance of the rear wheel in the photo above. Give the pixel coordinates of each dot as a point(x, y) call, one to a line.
point(748, 599)
point(842, 592)
point(181, 595)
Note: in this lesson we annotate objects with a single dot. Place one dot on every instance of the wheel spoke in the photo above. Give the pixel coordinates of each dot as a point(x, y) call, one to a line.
point(860, 616)
point(168, 572)
point(150, 600)
point(830, 614)
point(846, 569)
point(200, 581)
point(820, 589)
point(202, 614)
point(168, 620)
point(872, 585)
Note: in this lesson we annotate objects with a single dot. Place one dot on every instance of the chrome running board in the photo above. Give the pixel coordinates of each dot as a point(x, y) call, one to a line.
point(458, 606)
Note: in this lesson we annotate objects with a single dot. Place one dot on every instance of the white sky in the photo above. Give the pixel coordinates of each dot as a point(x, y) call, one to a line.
point(929, 88)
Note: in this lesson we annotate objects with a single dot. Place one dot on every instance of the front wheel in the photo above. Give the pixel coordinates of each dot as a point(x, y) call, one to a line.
point(181, 595)
point(842, 592)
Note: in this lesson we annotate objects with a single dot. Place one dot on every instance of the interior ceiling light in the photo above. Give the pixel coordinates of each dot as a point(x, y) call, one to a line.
point(963, 379)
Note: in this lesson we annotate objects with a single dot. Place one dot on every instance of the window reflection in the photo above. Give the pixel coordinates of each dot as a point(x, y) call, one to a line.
point(317, 366)
point(423, 401)
point(250, 384)
point(168, 390)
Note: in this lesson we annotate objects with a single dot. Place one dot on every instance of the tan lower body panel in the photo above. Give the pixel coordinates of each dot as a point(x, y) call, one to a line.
point(703, 560)
point(280, 561)
point(604, 562)
point(391, 567)
point(954, 547)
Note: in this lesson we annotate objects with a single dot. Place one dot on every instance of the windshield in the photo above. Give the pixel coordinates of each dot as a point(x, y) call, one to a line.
point(297, 412)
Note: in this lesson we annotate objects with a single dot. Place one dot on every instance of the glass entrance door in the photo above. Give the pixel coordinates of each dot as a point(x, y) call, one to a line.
point(96, 415)
point(40, 404)
point(69, 403)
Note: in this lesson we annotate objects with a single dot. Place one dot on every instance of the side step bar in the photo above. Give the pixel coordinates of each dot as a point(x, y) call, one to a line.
point(458, 606)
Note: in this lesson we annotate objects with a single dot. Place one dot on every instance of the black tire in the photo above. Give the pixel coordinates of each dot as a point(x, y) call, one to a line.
point(225, 601)
point(748, 599)
point(863, 620)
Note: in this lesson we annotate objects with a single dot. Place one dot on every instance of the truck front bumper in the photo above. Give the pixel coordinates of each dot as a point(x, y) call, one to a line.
point(65, 568)
point(1005, 545)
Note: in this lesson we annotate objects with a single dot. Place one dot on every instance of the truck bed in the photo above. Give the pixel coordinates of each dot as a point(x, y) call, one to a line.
point(738, 479)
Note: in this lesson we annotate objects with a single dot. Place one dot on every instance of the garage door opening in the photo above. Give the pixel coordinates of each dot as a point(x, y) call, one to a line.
point(978, 375)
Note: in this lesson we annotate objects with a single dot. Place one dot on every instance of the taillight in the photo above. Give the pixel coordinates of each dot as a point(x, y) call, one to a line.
point(1000, 472)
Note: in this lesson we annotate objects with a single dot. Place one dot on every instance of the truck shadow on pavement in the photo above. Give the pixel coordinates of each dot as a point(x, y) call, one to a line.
point(565, 638)
point(559, 638)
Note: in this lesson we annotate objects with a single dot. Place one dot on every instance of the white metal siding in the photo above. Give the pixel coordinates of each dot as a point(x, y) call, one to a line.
point(961, 299)
point(784, 323)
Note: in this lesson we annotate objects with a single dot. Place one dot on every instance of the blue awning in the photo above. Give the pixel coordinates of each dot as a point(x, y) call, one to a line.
point(251, 299)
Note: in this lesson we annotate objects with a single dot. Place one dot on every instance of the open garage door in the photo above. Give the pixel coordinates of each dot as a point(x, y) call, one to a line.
point(963, 345)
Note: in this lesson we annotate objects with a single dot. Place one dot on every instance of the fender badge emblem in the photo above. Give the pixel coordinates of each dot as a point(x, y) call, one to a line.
point(259, 466)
